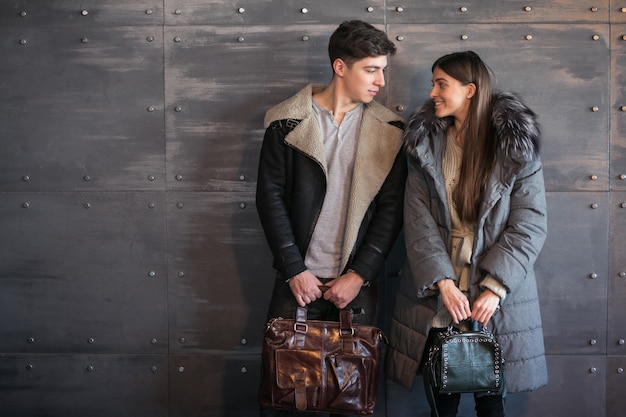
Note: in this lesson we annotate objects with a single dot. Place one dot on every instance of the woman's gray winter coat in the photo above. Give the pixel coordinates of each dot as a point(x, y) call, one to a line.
point(510, 233)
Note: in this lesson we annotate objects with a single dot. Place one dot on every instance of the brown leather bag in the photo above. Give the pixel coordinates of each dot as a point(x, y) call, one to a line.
point(319, 365)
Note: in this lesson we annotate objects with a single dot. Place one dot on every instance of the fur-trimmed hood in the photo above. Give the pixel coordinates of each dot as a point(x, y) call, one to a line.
point(515, 126)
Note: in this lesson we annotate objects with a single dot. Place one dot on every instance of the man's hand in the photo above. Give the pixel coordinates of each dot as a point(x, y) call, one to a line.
point(342, 290)
point(305, 288)
point(455, 301)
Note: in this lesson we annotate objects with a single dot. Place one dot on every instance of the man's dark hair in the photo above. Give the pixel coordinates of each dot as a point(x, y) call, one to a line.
point(355, 39)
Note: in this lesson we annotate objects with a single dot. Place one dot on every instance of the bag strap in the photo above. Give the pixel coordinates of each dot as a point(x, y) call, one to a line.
point(346, 331)
point(300, 327)
point(428, 388)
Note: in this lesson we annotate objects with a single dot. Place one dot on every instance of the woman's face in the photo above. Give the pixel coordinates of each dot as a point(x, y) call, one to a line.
point(450, 96)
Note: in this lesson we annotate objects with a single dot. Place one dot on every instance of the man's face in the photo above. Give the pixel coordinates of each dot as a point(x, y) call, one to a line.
point(364, 78)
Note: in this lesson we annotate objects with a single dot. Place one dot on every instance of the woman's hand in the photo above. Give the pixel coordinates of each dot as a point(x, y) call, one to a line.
point(485, 305)
point(455, 301)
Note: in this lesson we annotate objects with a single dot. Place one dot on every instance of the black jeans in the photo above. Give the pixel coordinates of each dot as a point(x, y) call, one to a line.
point(283, 304)
point(486, 405)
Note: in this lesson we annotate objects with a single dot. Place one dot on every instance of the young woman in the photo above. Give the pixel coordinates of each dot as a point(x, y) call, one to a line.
point(475, 222)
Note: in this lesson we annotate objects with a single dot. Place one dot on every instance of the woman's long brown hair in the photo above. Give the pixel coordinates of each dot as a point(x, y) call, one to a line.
point(479, 151)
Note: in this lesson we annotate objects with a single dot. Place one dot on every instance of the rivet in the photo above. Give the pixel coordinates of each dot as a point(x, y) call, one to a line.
point(399, 107)
point(153, 368)
point(592, 342)
point(624, 37)
point(84, 40)
point(621, 342)
point(595, 37)
point(244, 341)
point(593, 177)
point(399, 9)
point(151, 109)
point(244, 370)
point(84, 12)
point(182, 340)
point(90, 368)
point(179, 177)
point(149, 11)
point(305, 38)
point(151, 205)
point(622, 274)
point(150, 38)
point(594, 9)
point(23, 14)
point(623, 9)
point(593, 275)
point(593, 370)
point(242, 177)
point(152, 274)
point(29, 367)
point(370, 9)
point(23, 41)
point(594, 206)
point(154, 341)
point(463, 9)
point(464, 37)
point(623, 108)
point(241, 10)
point(177, 11)
point(623, 205)
point(31, 340)
point(620, 370)
point(595, 109)
point(151, 178)
point(180, 205)
point(181, 369)
point(177, 39)
point(181, 274)
point(242, 205)
point(91, 340)
point(529, 37)
point(304, 10)
point(26, 204)
point(528, 9)
point(87, 178)
point(87, 205)
point(26, 178)
point(400, 38)
point(622, 176)
point(178, 109)
point(240, 39)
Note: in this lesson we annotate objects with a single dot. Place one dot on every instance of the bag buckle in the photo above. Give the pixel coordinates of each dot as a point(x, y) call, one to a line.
point(300, 327)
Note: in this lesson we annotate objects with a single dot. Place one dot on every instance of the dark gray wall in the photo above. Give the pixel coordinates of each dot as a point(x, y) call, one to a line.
point(134, 276)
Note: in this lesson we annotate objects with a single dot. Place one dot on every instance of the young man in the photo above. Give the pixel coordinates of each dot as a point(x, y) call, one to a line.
point(331, 184)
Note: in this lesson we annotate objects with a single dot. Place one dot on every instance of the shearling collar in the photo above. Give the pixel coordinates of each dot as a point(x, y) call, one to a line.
point(515, 125)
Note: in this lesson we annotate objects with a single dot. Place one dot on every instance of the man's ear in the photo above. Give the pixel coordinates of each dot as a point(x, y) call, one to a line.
point(339, 67)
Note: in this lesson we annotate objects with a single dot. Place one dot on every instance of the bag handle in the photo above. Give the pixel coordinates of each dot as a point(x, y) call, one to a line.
point(346, 331)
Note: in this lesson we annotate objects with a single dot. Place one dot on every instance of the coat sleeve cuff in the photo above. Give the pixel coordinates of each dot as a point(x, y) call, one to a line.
point(494, 286)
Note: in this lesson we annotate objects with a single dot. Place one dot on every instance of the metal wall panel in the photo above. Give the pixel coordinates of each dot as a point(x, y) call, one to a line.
point(220, 272)
point(83, 108)
point(45, 385)
point(618, 107)
point(53, 13)
point(215, 385)
point(616, 380)
point(572, 274)
point(569, 92)
point(273, 12)
point(616, 337)
point(83, 272)
point(214, 112)
point(500, 11)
